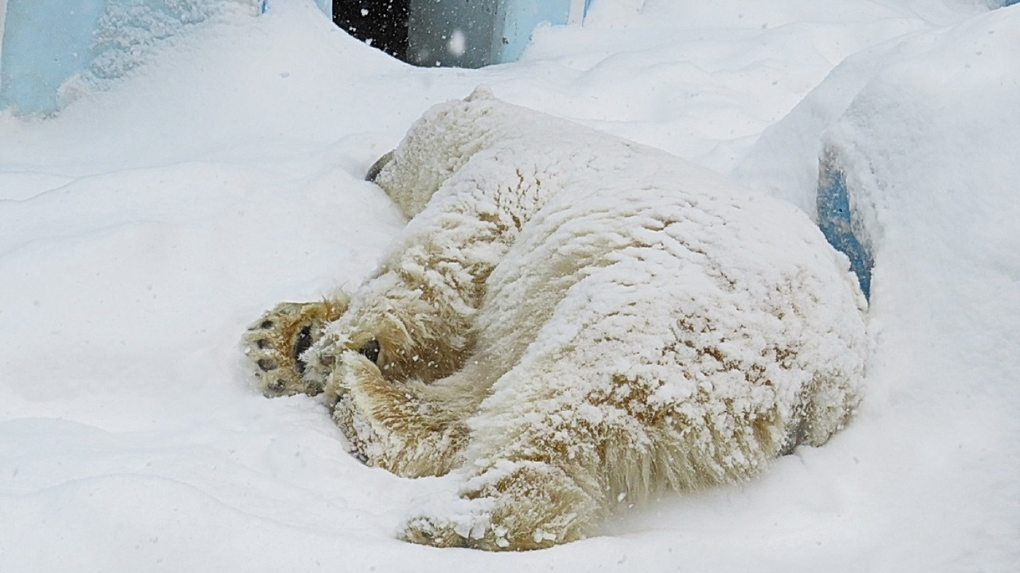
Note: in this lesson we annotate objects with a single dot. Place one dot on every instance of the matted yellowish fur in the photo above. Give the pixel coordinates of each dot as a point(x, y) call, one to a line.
point(570, 320)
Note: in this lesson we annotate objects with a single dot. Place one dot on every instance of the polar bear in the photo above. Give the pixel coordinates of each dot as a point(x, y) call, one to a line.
point(569, 320)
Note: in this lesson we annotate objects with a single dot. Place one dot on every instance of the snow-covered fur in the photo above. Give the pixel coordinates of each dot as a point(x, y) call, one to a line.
point(569, 320)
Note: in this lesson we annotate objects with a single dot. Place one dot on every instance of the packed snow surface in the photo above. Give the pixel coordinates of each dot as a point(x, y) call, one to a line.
point(146, 224)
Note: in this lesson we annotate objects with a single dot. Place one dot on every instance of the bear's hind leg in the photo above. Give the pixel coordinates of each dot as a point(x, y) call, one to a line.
point(534, 475)
point(515, 506)
point(273, 344)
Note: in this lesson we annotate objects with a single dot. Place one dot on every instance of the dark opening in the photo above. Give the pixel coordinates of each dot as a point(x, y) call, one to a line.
point(380, 23)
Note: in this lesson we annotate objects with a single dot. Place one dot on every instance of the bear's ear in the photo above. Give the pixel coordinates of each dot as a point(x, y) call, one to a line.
point(371, 351)
point(377, 167)
point(482, 92)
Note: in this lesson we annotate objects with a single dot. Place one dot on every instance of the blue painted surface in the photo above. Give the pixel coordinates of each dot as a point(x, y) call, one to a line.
point(834, 219)
point(45, 42)
point(517, 19)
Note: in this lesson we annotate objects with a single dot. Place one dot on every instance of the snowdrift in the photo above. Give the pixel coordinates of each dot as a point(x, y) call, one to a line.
point(142, 227)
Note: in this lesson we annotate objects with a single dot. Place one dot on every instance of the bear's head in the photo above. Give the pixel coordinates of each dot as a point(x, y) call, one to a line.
point(435, 147)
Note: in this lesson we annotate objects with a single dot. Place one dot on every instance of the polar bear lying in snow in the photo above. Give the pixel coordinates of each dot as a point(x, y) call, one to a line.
point(570, 319)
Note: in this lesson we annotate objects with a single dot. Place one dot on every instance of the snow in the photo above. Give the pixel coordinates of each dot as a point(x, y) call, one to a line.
point(143, 227)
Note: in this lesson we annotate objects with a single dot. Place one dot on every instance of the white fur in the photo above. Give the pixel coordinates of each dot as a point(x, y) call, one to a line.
point(570, 317)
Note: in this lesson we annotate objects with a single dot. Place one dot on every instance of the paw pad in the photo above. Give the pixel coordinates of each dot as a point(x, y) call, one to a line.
point(274, 345)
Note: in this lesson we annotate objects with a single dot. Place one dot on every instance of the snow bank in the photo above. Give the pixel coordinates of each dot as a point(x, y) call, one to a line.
point(145, 225)
point(933, 201)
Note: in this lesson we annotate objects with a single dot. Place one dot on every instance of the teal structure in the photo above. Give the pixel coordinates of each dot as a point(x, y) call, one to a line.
point(836, 221)
point(44, 43)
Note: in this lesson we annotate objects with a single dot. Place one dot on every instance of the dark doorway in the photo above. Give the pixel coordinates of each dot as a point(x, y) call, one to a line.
point(380, 23)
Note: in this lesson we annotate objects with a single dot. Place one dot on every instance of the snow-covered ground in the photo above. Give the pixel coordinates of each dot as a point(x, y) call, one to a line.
point(143, 227)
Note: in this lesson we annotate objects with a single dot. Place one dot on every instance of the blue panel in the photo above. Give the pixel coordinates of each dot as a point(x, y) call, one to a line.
point(834, 219)
point(516, 20)
point(45, 42)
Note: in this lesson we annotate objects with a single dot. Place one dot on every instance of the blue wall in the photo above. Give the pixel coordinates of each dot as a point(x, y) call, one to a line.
point(45, 42)
point(836, 220)
point(516, 20)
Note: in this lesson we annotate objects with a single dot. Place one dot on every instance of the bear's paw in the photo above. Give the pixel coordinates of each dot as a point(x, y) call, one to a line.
point(275, 343)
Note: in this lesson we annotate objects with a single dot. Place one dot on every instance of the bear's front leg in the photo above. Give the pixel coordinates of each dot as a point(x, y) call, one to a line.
point(514, 506)
point(274, 345)
point(409, 428)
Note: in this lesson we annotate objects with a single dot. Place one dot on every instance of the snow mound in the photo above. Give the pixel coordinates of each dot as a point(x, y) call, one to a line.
point(913, 129)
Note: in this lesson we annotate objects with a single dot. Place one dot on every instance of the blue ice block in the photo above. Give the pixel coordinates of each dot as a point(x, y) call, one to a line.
point(836, 221)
